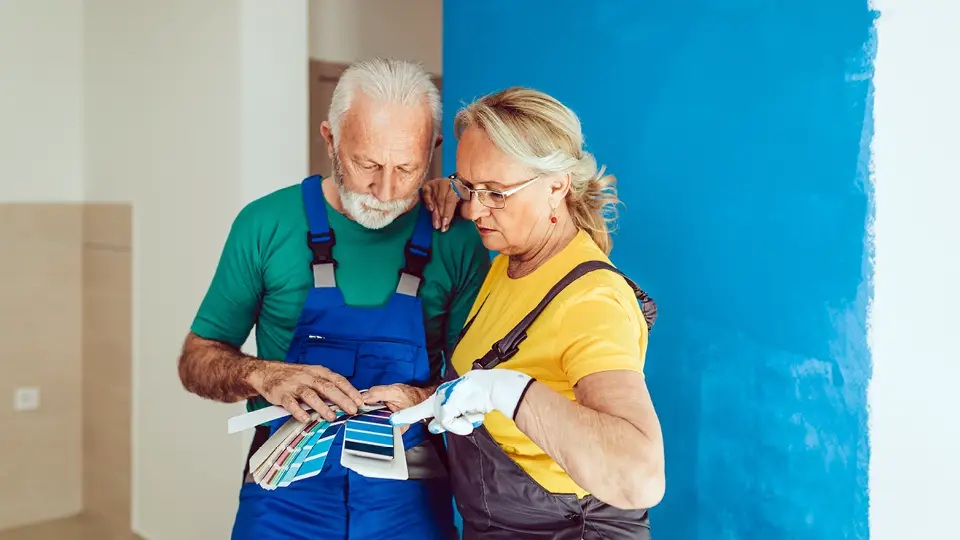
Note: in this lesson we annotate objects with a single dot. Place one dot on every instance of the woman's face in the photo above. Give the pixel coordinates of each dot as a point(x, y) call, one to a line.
point(524, 221)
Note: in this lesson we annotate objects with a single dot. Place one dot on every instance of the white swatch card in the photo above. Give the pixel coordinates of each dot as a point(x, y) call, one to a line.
point(393, 469)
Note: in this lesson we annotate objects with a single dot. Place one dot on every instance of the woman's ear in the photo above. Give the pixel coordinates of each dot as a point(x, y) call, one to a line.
point(559, 187)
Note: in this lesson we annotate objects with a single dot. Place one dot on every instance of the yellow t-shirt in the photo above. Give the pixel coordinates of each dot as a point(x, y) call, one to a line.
point(593, 325)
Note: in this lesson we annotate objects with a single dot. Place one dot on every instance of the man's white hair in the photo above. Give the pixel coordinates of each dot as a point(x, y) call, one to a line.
point(386, 80)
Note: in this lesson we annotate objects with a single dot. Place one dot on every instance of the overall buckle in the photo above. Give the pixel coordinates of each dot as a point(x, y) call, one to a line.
point(322, 247)
point(323, 263)
point(496, 356)
point(411, 275)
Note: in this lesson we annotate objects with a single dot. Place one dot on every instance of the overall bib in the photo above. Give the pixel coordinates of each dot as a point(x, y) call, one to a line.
point(497, 498)
point(368, 346)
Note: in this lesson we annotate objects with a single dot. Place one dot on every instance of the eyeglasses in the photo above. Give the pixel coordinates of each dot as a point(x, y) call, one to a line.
point(491, 198)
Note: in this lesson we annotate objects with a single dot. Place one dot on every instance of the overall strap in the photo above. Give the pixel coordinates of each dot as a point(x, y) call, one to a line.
point(320, 237)
point(504, 349)
point(416, 255)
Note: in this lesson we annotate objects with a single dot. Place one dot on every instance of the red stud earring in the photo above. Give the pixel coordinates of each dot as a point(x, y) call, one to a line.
point(553, 219)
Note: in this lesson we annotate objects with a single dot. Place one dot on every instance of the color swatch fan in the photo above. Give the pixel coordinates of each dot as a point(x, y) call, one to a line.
point(298, 450)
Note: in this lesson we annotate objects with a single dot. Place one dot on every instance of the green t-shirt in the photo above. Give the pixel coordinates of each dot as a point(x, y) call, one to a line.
point(264, 274)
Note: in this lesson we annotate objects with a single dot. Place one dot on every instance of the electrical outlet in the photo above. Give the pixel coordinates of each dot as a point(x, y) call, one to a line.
point(26, 398)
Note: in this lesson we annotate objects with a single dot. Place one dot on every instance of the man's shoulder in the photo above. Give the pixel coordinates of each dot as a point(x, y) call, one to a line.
point(461, 236)
point(461, 243)
point(281, 201)
point(459, 250)
point(282, 205)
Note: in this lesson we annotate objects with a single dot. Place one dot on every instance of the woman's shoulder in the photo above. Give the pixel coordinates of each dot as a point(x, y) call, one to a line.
point(602, 292)
point(601, 287)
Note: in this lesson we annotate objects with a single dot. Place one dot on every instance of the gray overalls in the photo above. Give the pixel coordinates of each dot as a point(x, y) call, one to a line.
point(497, 498)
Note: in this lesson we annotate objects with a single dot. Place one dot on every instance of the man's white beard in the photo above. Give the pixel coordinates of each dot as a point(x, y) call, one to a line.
point(366, 209)
point(371, 212)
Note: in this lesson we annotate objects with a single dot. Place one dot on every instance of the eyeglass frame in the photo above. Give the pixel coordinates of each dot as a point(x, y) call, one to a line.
point(456, 179)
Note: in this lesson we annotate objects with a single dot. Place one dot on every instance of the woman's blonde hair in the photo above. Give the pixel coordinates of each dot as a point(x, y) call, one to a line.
point(542, 133)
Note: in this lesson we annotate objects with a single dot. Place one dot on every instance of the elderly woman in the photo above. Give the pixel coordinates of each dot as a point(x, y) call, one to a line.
point(552, 430)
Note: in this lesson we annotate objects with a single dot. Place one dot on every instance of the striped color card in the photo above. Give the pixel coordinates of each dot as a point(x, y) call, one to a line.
point(304, 451)
point(313, 463)
point(286, 466)
point(279, 466)
point(370, 435)
point(279, 442)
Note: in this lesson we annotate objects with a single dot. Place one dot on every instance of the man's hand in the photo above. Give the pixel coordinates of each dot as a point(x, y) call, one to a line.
point(460, 405)
point(287, 385)
point(441, 200)
point(397, 396)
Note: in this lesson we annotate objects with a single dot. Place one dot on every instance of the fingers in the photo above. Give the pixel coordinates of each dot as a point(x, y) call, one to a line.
point(459, 426)
point(291, 404)
point(377, 394)
point(330, 391)
point(475, 419)
point(344, 386)
point(310, 397)
point(435, 427)
point(336, 388)
point(416, 413)
point(449, 209)
point(429, 193)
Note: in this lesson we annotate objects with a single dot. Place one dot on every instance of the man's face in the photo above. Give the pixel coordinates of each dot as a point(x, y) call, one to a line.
point(381, 159)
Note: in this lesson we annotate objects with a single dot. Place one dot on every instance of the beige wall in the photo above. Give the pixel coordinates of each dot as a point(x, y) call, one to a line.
point(65, 326)
point(40, 328)
point(348, 30)
point(107, 330)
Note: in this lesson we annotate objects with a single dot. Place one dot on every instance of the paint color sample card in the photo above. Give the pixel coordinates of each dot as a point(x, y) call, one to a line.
point(267, 454)
point(313, 463)
point(394, 469)
point(370, 435)
point(294, 468)
point(271, 471)
point(297, 450)
point(288, 469)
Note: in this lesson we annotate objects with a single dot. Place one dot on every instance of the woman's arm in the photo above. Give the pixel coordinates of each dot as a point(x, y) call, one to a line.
point(609, 441)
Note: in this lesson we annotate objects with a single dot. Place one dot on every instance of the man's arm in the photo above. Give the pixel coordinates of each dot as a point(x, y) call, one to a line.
point(211, 364)
point(219, 371)
point(609, 441)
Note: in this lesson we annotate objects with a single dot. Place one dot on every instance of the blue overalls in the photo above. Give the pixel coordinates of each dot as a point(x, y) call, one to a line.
point(368, 346)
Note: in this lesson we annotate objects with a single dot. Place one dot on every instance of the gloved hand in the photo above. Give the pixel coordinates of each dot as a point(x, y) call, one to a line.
point(459, 406)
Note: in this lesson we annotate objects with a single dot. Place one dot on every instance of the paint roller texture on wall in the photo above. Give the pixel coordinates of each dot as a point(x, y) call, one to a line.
point(738, 132)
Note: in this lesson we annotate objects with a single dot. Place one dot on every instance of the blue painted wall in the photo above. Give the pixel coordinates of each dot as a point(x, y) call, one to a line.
point(738, 131)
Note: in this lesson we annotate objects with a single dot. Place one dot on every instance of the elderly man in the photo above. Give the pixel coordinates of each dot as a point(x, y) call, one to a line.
point(350, 288)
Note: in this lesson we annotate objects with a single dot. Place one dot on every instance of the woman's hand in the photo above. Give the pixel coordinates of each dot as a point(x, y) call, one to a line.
point(460, 405)
point(441, 200)
point(396, 396)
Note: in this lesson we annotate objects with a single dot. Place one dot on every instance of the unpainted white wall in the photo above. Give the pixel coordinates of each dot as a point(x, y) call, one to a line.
point(915, 440)
point(41, 101)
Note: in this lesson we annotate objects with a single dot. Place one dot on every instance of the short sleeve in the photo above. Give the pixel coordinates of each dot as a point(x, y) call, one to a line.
point(601, 331)
point(231, 304)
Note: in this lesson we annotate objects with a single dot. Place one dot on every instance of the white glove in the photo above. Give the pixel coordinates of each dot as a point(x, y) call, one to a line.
point(459, 406)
